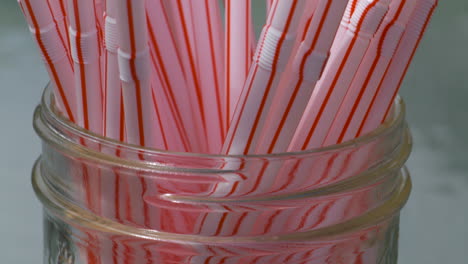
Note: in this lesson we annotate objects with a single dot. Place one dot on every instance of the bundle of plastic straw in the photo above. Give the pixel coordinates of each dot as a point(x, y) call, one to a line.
point(173, 75)
point(189, 81)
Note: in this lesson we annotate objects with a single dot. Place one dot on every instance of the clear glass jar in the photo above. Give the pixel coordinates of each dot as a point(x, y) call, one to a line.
point(108, 202)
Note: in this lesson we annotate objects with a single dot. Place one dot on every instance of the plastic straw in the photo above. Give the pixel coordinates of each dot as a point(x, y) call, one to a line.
point(133, 56)
point(238, 50)
point(113, 105)
point(54, 54)
point(326, 98)
point(209, 47)
point(332, 87)
point(364, 85)
point(141, 115)
point(181, 24)
point(272, 56)
point(185, 127)
point(297, 86)
point(269, 5)
point(85, 53)
point(370, 73)
point(58, 10)
point(113, 89)
point(344, 25)
point(388, 89)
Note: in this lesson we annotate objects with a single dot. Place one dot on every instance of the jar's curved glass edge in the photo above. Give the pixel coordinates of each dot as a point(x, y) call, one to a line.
point(367, 177)
point(45, 112)
point(79, 217)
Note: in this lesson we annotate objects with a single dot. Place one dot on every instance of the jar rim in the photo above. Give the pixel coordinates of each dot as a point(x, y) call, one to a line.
point(46, 110)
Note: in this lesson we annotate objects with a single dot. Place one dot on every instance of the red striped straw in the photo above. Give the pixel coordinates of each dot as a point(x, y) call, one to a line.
point(141, 115)
point(272, 55)
point(99, 15)
point(85, 53)
point(238, 50)
point(344, 25)
point(322, 107)
point(53, 49)
point(296, 87)
point(332, 87)
point(173, 85)
point(370, 73)
point(58, 10)
point(407, 46)
point(111, 182)
point(262, 185)
point(364, 86)
point(412, 36)
point(113, 89)
point(182, 22)
point(398, 15)
point(269, 5)
point(209, 45)
point(179, 13)
point(384, 97)
point(134, 65)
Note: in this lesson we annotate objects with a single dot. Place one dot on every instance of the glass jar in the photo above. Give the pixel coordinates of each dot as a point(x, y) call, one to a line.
point(108, 202)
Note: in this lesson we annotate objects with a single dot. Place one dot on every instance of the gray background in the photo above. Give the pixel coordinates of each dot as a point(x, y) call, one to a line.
point(433, 227)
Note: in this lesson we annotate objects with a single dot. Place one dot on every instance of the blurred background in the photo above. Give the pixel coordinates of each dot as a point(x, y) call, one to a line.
point(434, 226)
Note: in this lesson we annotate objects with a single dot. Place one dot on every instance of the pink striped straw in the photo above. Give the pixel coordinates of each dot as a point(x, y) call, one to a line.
point(344, 25)
point(113, 89)
point(332, 87)
point(296, 88)
point(323, 105)
point(142, 121)
point(384, 97)
point(134, 66)
point(85, 54)
point(181, 24)
point(173, 84)
point(58, 9)
point(99, 15)
point(238, 50)
point(417, 24)
point(209, 45)
point(53, 49)
point(278, 38)
point(113, 103)
point(370, 73)
point(363, 88)
point(269, 5)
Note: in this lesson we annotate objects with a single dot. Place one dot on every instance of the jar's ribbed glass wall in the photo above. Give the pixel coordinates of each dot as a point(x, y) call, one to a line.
point(111, 203)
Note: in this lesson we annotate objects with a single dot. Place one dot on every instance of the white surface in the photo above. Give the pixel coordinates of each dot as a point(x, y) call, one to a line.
point(433, 227)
